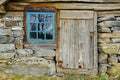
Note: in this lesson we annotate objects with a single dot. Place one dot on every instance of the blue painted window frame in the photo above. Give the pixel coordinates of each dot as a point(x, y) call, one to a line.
point(28, 13)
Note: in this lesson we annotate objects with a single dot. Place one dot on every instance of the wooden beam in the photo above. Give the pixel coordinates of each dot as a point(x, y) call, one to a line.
point(77, 14)
point(67, 0)
point(89, 6)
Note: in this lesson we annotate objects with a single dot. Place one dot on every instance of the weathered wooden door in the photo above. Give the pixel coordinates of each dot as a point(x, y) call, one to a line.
point(77, 46)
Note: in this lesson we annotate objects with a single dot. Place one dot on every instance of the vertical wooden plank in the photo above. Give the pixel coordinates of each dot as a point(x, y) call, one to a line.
point(83, 47)
point(64, 47)
point(90, 26)
point(95, 43)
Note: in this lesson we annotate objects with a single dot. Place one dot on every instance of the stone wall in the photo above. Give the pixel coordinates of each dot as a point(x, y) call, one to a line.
point(109, 45)
point(15, 58)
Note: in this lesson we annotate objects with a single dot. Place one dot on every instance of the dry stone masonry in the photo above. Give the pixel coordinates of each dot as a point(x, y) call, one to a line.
point(109, 45)
point(14, 58)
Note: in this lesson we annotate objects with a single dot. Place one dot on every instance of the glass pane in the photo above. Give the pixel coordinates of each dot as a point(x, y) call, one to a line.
point(49, 29)
point(49, 18)
point(32, 35)
point(41, 17)
point(49, 36)
point(40, 35)
point(32, 17)
point(41, 26)
point(33, 26)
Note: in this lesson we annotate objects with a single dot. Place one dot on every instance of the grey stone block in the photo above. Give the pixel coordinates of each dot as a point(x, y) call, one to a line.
point(6, 32)
point(44, 52)
point(7, 51)
point(103, 58)
point(24, 52)
point(105, 18)
point(18, 41)
point(109, 24)
point(6, 39)
point(32, 66)
point(17, 33)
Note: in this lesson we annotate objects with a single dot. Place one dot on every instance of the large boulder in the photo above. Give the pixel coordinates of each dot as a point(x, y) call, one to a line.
point(30, 66)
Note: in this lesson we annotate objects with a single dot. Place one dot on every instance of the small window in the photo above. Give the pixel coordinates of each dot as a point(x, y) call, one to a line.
point(40, 26)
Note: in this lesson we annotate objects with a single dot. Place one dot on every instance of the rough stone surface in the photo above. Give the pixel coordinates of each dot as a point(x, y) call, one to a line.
point(104, 40)
point(17, 33)
point(24, 52)
point(7, 51)
point(109, 24)
point(19, 46)
point(31, 65)
point(6, 32)
point(103, 58)
point(109, 35)
point(115, 40)
point(6, 39)
point(102, 29)
point(105, 18)
point(113, 59)
point(18, 41)
point(103, 69)
point(1, 24)
point(17, 28)
point(115, 28)
point(114, 70)
point(3, 76)
point(40, 52)
point(109, 44)
point(110, 48)
point(118, 18)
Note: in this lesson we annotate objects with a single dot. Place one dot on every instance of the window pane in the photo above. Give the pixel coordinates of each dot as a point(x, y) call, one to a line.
point(49, 31)
point(49, 18)
point(40, 35)
point(33, 26)
point(41, 17)
point(41, 26)
point(49, 27)
point(32, 17)
point(32, 35)
point(49, 36)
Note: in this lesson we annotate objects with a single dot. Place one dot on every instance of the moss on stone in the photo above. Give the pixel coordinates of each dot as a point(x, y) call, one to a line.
point(109, 48)
point(115, 70)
